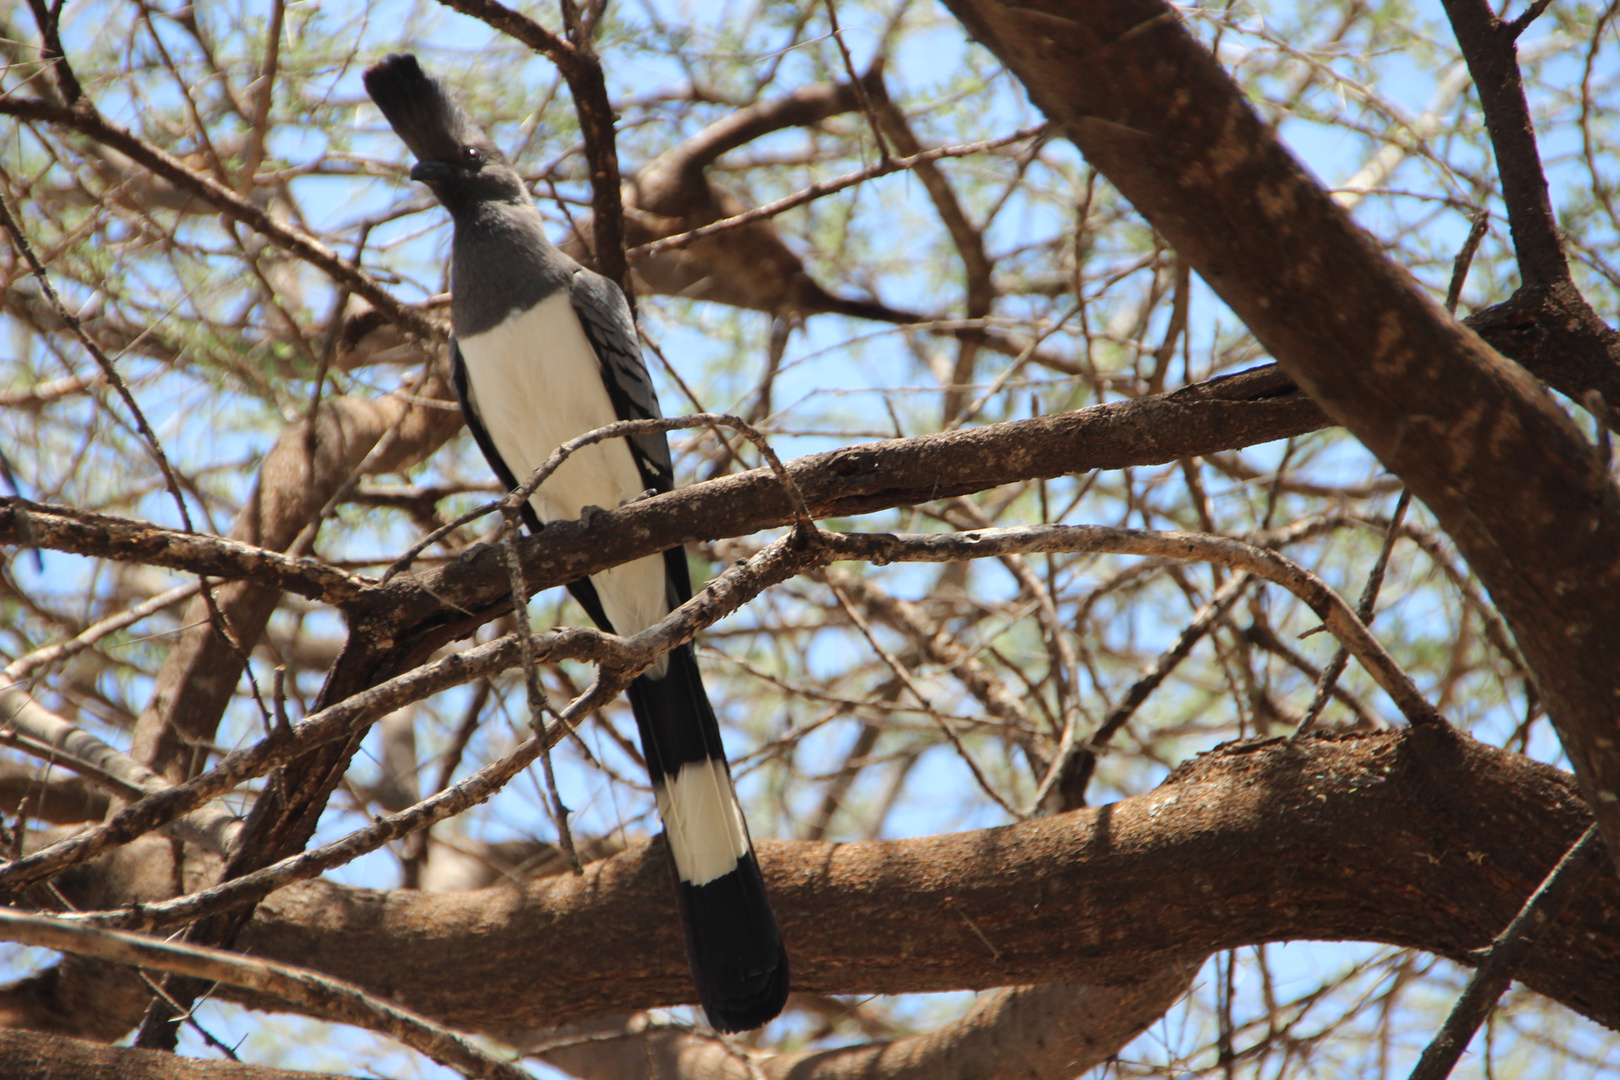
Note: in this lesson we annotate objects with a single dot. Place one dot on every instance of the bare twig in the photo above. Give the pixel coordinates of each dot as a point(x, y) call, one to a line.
point(25, 666)
point(49, 20)
point(293, 240)
point(1364, 611)
point(108, 371)
point(63, 528)
point(444, 804)
point(1149, 680)
point(1531, 14)
point(1056, 632)
point(1499, 962)
point(932, 712)
point(1340, 620)
point(334, 998)
point(1465, 258)
point(539, 707)
point(829, 187)
point(264, 89)
point(338, 721)
point(856, 82)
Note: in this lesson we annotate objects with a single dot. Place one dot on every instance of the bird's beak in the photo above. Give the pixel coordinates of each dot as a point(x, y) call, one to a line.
point(429, 172)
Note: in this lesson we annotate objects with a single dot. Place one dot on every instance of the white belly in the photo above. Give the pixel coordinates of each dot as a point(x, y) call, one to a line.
point(536, 383)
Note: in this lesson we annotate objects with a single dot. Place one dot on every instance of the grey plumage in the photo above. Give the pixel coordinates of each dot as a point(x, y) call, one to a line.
point(501, 260)
point(544, 350)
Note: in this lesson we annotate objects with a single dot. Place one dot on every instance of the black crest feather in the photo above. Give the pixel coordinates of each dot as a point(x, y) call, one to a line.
point(420, 109)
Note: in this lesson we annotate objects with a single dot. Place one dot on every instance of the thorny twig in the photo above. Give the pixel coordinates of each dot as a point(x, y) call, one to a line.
point(108, 371)
point(1150, 679)
point(856, 83)
point(293, 240)
point(539, 707)
point(928, 707)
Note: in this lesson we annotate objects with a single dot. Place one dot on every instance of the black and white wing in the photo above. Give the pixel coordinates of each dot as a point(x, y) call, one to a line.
point(605, 315)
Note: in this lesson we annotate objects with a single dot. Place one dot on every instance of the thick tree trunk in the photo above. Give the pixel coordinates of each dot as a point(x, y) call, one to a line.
point(1326, 838)
point(1527, 500)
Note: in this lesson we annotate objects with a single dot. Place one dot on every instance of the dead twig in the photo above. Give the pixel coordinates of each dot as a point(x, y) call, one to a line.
point(333, 998)
point(1498, 963)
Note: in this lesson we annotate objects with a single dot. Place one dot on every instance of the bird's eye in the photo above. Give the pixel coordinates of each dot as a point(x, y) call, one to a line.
point(472, 156)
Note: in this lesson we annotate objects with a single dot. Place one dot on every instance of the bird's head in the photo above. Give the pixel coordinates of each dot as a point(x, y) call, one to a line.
point(454, 157)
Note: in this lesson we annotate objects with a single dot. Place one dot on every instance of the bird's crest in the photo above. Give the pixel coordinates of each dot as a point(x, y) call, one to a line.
point(420, 109)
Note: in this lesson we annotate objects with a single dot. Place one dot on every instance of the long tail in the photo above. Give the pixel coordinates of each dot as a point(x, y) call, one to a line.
point(738, 962)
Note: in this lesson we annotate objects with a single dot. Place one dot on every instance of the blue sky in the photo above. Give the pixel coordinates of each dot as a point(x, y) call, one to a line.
point(831, 390)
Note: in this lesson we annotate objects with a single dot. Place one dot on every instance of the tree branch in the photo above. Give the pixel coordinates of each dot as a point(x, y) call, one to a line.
point(1051, 1032)
point(1508, 474)
point(1487, 45)
point(294, 985)
point(1259, 841)
point(1499, 963)
point(87, 121)
point(104, 536)
point(31, 1056)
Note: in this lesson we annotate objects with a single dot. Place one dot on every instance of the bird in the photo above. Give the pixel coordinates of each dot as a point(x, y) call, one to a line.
point(542, 350)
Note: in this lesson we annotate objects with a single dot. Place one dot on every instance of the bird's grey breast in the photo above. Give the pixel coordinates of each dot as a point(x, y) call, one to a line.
point(502, 263)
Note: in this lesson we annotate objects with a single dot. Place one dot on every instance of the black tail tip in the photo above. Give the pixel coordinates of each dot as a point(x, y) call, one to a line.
point(739, 966)
point(745, 1004)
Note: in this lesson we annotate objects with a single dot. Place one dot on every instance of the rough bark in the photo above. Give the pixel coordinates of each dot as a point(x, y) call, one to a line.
point(31, 1056)
point(1421, 838)
point(1507, 473)
point(1024, 1033)
point(1555, 334)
